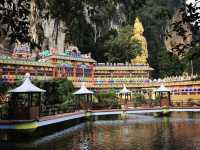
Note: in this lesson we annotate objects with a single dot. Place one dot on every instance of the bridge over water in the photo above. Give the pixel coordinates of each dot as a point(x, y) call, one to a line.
point(77, 115)
point(56, 119)
point(142, 111)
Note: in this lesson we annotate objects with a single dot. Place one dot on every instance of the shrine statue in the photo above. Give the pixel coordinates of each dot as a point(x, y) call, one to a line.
point(138, 36)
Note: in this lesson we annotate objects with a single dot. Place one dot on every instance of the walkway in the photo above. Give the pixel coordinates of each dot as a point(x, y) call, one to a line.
point(143, 111)
point(77, 115)
point(55, 119)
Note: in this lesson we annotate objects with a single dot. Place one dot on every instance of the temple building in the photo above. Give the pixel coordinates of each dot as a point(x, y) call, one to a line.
point(115, 75)
point(70, 64)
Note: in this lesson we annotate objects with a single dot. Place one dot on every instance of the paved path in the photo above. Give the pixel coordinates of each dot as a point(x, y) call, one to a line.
point(54, 119)
point(77, 115)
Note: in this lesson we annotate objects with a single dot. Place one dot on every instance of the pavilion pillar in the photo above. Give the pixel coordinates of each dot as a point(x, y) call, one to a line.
point(169, 97)
point(39, 103)
point(161, 97)
point(127, 100)
point(29, 100)
point(120, 99)
point(124, 100)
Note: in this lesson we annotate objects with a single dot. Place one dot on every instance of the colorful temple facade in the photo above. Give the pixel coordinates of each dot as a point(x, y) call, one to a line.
point(109, 76)
point(72, 65)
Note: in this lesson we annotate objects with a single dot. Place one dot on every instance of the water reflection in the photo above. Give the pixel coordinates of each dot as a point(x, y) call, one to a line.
point(138, 132)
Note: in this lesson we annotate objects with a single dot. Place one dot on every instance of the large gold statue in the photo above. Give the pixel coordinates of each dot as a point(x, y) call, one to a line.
point(138, 36)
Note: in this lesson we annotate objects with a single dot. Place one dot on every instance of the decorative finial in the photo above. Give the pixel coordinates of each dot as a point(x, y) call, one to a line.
point(27, 75)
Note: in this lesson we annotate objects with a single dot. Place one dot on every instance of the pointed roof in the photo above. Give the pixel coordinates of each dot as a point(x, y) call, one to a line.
point(27, 87)
point(162, 88)
point(124, 90)
point(83, 90)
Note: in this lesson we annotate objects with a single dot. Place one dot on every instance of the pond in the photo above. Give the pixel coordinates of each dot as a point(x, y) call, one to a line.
point(180, 131)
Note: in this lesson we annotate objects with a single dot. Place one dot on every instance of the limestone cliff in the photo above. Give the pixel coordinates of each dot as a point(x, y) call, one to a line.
point(49, 32)
point(177, 41)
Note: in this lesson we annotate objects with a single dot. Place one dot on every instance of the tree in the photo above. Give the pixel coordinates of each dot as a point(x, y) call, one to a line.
point(14, 20)
point(169, 64)
point(120, 46)
point(190, 14)
point(192, 60)
point(155, 15)
point(57, 91)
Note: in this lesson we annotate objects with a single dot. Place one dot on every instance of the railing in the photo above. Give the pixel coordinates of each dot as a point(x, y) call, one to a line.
point(186, 103)
point(24, 62)
point(48, 110)
point(121, 64)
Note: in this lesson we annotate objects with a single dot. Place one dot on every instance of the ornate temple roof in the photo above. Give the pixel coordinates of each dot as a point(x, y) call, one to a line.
point(66, 55)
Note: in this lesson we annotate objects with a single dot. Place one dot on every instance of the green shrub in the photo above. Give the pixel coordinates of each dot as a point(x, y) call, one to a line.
point(105, 100)
point(57, 91)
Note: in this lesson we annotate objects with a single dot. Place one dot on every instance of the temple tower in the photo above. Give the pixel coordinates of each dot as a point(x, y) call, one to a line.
point(137, 35)
point(22, 51)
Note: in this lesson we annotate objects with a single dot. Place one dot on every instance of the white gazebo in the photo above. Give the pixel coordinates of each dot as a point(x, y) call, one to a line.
point(25, 100)
point(162, 88)
point(27, 87)
point(164, 94)
point(86, 94)
point(126, 93)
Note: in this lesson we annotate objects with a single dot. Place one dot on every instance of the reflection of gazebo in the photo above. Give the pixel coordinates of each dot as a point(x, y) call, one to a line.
point(164, 95)
point(86, 94)
point(25, 101)
point(126, 93)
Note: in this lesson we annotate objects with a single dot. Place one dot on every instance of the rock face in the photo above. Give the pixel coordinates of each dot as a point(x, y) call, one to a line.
point(177, 41)
point(49, 32)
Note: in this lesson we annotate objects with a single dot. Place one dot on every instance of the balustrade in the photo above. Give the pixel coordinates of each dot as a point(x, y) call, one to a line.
point(48, 110)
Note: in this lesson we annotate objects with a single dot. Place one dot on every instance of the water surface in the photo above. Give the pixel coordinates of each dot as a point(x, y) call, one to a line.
point(181, 131)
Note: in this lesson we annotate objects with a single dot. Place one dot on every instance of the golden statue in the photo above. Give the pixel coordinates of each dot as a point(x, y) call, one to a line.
point(138, 36)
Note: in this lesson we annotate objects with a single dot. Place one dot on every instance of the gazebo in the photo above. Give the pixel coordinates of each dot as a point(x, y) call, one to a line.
point(25, 100)
point(126, 93)
point(164, 95)
point(86, 94)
